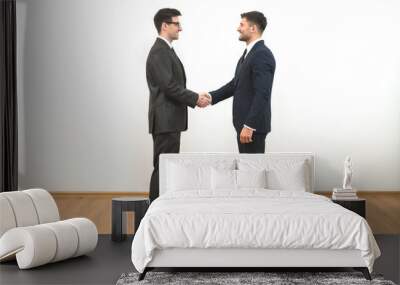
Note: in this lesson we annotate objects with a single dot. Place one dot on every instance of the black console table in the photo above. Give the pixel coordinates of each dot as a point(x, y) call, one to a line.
point(120, 205)
point(356, 205)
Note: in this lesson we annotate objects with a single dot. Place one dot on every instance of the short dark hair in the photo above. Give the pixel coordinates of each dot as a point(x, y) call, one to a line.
point(256, 18)
point(163, 16)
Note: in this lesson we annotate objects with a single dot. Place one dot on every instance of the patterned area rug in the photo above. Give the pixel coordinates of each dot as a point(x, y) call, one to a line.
point(270, 278)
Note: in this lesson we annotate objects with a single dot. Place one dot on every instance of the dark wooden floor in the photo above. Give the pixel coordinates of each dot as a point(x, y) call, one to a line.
point(102, 266)
point(111, 259)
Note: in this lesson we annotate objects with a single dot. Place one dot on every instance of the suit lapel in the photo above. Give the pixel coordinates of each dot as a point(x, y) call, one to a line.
point(173, 55)
point(237, 71)
point(180, 63)
point(240, 65)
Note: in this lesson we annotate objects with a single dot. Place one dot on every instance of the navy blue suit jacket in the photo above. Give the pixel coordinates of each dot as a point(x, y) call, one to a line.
point(251, 90)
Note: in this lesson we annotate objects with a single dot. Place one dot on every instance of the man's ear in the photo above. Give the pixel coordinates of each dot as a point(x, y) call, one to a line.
point(255, 28)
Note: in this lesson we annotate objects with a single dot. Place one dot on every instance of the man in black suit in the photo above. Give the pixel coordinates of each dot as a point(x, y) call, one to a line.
point(169, 97)
point(251, 86)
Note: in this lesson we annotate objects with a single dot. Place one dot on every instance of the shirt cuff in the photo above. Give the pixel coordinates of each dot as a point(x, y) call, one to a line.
point(249, 128)
point(209, 95)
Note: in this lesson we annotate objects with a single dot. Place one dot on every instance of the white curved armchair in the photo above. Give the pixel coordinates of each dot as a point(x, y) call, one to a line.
point(31, 230)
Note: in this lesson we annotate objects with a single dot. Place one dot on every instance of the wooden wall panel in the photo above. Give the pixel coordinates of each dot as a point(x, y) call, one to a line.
point(94, 206)
point(383, 208)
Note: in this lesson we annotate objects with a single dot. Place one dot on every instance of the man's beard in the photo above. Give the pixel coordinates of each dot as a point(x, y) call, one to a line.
point(242, 38)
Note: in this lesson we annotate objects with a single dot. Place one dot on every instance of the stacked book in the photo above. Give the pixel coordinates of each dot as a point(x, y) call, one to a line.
point(344, 194)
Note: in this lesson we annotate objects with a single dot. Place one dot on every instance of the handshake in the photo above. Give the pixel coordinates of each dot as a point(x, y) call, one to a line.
point(203, 100)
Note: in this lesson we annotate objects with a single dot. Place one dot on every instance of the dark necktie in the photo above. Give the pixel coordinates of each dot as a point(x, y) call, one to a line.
point(239, 66)
point(242, 58)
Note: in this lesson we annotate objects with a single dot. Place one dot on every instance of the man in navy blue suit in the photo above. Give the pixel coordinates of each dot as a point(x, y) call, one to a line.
point(251, 86)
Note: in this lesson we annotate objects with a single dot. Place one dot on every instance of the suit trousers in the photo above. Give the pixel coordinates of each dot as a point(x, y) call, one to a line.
point(256, 146)
point(162, 143)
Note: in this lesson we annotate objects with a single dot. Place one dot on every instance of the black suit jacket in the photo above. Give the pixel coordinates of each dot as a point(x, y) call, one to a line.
point(251, 90)
point(169, 97)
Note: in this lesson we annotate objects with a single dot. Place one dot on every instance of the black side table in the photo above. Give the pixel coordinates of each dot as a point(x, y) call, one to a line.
point(356, 205)
point(120, 205)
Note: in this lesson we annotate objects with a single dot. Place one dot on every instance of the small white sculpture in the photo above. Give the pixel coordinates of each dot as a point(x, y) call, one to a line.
point(348, 173)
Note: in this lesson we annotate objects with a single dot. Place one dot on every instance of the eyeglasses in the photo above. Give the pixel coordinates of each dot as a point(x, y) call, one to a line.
point(175, 23)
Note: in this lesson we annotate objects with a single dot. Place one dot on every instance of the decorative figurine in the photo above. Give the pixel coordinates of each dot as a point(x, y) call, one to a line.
point(348, 172)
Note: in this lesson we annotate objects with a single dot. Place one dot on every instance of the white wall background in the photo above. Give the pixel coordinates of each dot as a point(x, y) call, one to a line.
point(83, 96)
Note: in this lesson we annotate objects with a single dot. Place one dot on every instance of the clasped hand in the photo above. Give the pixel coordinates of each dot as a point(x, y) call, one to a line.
point(204, 100)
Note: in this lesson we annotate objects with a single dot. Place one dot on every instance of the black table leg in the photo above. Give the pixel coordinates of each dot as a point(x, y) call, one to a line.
point(120, 206)
point(116, 226)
